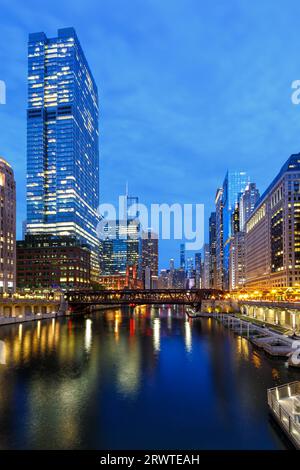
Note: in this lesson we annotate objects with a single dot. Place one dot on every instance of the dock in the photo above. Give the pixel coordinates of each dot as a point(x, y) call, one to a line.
point(284, 405)
point(273, 343)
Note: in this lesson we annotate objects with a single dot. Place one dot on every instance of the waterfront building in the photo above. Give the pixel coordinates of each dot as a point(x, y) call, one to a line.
point(212, 251)
point(234, 184)
point(273, 232)
point(237, 261)
point(62, 142)
point(7, 228)
point(247, 202)
point(243, 209)
point(219, 239)
point(52, 262)
point(121, 243)
point(149, 258)
point(129, 280)
point(121, 248)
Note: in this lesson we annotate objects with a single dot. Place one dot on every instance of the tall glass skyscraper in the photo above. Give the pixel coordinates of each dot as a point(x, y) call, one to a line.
point(62, 140)
point(234, 184)
point(121, 244)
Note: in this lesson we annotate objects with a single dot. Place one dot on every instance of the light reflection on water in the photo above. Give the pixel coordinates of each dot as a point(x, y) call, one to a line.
point(133, 379)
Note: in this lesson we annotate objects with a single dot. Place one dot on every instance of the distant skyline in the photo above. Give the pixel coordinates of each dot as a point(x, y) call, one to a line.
point(187, 90)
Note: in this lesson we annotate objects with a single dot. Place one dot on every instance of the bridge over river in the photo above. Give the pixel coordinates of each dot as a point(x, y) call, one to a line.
point(78, 300)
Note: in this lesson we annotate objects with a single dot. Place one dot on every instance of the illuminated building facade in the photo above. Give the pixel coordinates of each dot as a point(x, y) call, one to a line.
point(182, 255)
point(212, 251)
point(178, 279)
point(7, 228)
point(165, 279)
point(273, 232)
point(219, 239)
point(45, 261)
point(198, 266)
point(247, 203)
point(234, 184)
point(62, 141)
point(149, 258)
point(121, 243)
point(205, 267)
point(129, 280)
point(122, 248)
point(237, 261)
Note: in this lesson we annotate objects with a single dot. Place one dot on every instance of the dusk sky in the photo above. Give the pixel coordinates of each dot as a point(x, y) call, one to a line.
point(187, 89)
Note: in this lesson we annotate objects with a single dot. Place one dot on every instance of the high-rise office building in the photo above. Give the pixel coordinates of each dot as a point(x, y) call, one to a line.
point(212, 251)
point(247, 202)
point(122, 247)
point(182, 255)
point(121, 241)
point(190, 267)
point(45, 261)
point(7, 228)
point(198, 270)
point(219, 239)
point(234, 184)
point(62, 141)
point(272, 237)
point(164, 279)
point(243, 209)
point(205, 267)
point(179, 279)
point(237, 271)
point(149, 257)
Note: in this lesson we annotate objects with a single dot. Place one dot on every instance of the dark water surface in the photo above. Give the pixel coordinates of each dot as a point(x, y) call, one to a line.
point(143, 380)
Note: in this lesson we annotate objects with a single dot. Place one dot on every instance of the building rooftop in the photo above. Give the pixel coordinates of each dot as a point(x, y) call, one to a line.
point(292, 164)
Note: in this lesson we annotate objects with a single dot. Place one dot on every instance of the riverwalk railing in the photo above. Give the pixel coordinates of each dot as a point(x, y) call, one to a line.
point(284, 403)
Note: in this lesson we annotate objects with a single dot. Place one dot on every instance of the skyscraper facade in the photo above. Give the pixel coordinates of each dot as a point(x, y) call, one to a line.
point(212, 251)
point(219, 239)
point(205, 268)
point(237, 272)
point(7, 228)
point(243, 209)
point(234, 184)
point(247, 203)
point(182, 255)
point(62, 140)
point(149, 257)
point(198, 270)
point(272, 237)
point(122, 247)
point(121, 240)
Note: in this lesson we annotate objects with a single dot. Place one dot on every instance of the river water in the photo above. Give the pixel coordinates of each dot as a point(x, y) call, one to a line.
point(142, 379)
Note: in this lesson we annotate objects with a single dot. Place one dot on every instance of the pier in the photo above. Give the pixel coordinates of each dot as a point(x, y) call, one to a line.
point(284, 404)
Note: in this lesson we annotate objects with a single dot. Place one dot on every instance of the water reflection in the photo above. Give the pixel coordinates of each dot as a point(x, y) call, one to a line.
point(145, 372)
point(88, 334)
point(2, 353)
point(156, 334)
point(188, 335)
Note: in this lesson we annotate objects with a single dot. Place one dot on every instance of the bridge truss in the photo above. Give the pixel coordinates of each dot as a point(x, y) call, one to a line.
point(81, 299)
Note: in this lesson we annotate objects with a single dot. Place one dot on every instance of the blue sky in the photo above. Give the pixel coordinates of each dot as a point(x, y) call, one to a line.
point(187, 89)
